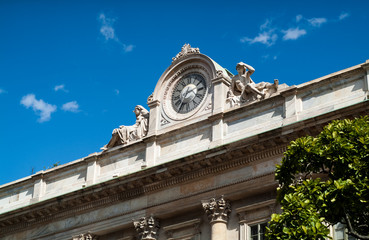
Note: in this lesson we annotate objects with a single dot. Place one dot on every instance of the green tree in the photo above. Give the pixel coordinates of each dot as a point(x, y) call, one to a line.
point(324, 180)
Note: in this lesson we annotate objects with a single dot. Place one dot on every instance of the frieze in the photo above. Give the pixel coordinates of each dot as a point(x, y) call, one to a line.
point(51, 210)
point(67, 208)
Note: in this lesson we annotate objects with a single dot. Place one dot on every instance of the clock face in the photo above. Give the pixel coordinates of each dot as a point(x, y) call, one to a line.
point(188, 93)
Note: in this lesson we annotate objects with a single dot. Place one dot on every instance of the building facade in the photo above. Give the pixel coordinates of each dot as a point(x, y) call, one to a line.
point(199, 164)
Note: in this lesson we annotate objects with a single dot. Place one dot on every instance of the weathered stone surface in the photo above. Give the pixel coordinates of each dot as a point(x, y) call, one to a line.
point(181, 160)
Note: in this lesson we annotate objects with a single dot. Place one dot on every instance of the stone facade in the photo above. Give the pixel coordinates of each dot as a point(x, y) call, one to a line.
point(204, 169)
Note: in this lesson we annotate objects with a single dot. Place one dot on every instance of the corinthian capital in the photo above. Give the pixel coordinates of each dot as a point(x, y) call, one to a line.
point(147, 228)
point(217, 209)
point(86, 236)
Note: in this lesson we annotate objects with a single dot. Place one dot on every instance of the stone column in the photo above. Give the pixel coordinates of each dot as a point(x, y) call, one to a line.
point(147, 228)
point(217, 211)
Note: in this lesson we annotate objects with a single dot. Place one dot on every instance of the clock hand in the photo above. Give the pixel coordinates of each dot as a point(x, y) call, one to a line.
point(183, 97)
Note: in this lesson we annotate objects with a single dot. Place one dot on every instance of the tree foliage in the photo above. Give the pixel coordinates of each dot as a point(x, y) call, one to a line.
point(324, 180)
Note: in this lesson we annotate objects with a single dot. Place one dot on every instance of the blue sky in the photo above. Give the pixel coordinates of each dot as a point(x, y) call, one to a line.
point(72, 71)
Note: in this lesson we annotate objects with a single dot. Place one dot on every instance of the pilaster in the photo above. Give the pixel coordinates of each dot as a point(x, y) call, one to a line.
point(152, 152)
point(221, 85)
point(92, 169)
point(366, 78)
point(154, 117)
point(39, 187)
point(292, 105)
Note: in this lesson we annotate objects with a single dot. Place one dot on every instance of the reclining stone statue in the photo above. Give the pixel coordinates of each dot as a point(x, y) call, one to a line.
point(244, 89)
point(125, 134)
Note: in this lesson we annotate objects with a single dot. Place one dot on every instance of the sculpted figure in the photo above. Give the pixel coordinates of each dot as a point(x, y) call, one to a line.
point(242, 83)
point(244, 89)
point(125, 134)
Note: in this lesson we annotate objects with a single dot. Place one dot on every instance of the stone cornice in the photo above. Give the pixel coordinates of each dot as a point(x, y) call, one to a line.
point(358, 69)
point(200, 165)
point(107, 195)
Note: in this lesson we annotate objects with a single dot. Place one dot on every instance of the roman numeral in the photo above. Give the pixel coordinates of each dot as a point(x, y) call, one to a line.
point(199, 95)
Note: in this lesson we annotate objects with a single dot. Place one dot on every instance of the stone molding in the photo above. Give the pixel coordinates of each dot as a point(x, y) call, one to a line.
point(267, 207)
point(147, 228)
point(120, 189)
point(193, 224)
point(217, 210)
point(129, 191)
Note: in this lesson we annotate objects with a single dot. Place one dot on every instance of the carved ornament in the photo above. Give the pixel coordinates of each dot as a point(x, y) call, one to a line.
point(147, 228)
point(217, 209)
point(150, 99)
point(186, 50)
point(86, 236)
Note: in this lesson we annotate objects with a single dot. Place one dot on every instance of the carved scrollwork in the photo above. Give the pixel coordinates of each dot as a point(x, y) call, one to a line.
point(163, 121)
point(147, 228)
point(186, 50)
point(217, 209)
point(150, 99)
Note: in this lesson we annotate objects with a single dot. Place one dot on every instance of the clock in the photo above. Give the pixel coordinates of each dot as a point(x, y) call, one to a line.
point(185, 94)
point(188, 93)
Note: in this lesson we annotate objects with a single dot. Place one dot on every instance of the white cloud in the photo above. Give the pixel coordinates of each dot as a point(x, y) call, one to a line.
point(108, 32)
point(266, 35)
point(298, 18)
point(71, 106)
point(60, 88)
point(293, 33)
point(343, 16)
point(266, 24)
point(267, 38)
point(316, 22)
point(128, 48)
point(40, 107)
point(267, 57)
